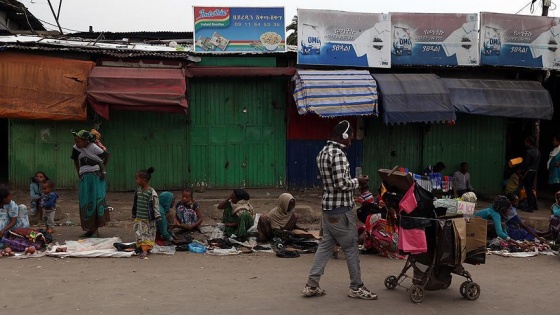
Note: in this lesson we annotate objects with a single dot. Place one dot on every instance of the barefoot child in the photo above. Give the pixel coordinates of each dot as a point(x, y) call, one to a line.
point(145, 213)
point(48, 205)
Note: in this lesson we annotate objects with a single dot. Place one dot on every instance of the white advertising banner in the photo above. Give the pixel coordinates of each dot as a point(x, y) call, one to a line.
point(344, 38)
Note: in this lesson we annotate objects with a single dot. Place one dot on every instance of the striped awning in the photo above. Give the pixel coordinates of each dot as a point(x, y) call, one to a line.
point(335, 93)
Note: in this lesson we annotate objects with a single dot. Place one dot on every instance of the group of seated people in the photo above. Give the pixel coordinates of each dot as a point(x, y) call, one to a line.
point(504, 222)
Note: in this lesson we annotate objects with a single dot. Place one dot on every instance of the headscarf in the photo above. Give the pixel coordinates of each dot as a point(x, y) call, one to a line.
point(279, 216)
point(241, 194)
point(84, 134)
point(165, 200)
point(501, 205)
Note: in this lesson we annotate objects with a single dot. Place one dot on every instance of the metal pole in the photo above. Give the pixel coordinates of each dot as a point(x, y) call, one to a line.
point(55, 17)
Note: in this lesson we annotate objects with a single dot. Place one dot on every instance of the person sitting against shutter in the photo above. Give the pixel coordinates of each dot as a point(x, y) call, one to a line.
point(462, 180)
point(145, 213)
point(238, 214)
point(12, 216)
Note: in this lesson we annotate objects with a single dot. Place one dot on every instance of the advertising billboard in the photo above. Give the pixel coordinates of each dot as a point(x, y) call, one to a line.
point(344, 38)
point(438, 39)
point(232, 29)
point(519, 40)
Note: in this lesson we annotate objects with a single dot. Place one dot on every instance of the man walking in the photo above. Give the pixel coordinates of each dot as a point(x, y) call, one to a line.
point(338, 220)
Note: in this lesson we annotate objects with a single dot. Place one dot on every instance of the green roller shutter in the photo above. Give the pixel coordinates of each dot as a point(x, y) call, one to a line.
point(237, 133)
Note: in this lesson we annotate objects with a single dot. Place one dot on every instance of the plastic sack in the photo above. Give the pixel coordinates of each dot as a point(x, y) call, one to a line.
point(253, 229)
point(166, 250)
point(218, 231)
point(197, 248)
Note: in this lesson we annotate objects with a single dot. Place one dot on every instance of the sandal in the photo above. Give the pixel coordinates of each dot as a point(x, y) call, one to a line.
point(87, 234)
point(143, 255)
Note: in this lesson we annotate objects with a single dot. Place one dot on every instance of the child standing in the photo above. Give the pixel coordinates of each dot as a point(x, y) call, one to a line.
point(48, 205)
point(145, 212)
point(35, 192)
point(189, 216)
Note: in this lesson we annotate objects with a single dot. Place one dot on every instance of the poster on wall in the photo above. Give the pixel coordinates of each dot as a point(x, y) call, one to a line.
point(519, 40)
point(344, 38)
point(434, 39)
point(235, 29)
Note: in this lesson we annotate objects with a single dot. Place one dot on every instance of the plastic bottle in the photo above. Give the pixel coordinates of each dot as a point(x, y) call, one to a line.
point(358, 171)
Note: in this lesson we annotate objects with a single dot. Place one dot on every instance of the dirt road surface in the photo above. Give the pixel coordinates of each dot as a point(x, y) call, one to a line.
point(256, 283)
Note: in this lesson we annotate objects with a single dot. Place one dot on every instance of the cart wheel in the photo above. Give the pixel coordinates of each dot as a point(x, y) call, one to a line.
point(472, 291)
point(463, 288)
point(446, 285)
point(416, 294)
point(391, 282)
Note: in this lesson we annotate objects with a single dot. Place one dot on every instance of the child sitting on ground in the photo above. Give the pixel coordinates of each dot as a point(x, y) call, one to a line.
point(188, 212)
point(48, 205)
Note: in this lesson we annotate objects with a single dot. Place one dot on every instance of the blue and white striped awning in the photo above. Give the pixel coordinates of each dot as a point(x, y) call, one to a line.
point(335, 93)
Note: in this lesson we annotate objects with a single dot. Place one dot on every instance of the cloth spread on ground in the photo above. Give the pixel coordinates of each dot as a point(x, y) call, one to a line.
point(99, 247)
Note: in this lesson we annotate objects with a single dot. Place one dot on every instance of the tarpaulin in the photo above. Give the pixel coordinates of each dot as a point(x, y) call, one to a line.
point(41, 87)
point(137, 89)
point(239, 71)
point(335, 93)
point(407, 98)
point(501, 98)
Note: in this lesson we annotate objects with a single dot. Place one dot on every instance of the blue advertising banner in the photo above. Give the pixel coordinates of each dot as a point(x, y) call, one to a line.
point(344, 38)
point(433, 39)
point(519, 40)
point(225, 29)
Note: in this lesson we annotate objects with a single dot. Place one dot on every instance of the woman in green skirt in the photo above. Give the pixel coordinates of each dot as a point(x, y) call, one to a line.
point(90, 162)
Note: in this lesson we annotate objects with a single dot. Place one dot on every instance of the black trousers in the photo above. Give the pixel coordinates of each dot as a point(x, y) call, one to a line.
point(528, 181)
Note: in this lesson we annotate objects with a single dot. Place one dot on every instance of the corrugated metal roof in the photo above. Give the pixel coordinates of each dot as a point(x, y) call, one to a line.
point(119, 50)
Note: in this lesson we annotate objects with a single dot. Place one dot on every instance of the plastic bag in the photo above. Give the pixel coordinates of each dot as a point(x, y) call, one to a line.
point(253, 228)
point(166, 250)
point(218, 231)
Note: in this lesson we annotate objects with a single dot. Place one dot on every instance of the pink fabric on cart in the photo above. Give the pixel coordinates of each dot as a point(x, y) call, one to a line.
point(408, 202)
point(413, 241)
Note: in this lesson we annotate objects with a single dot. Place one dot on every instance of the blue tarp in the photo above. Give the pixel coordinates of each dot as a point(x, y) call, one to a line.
point(407, 98)
point(502, 98)
point(335, 93)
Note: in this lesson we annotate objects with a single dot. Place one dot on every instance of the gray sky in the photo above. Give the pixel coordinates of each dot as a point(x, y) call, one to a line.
point(177, 15)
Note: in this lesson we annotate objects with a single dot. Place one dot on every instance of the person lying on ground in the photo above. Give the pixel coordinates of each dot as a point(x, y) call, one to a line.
point(238, 214)
point(188, 216)
point(280, 221)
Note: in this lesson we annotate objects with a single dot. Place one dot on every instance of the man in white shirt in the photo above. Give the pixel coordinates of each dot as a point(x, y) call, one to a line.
point(462, 180)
